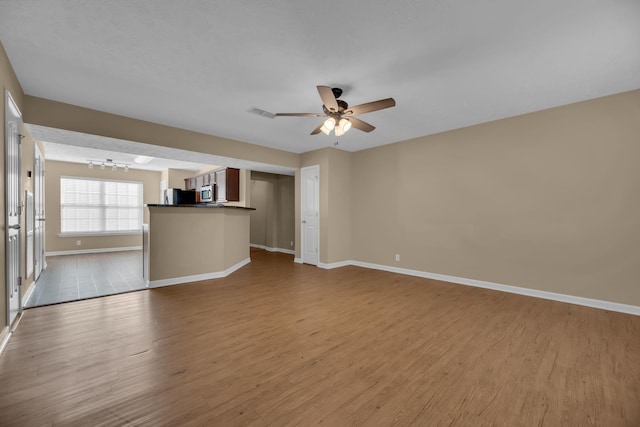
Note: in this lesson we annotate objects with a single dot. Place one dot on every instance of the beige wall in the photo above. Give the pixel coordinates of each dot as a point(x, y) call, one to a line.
point(55, 170)
point(546, 201)
point(70, 117)
point(175, 177)
point(9, 82)
point(272, 223)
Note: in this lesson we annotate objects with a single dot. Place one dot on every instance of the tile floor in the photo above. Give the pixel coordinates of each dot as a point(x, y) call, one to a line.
point(76, 277)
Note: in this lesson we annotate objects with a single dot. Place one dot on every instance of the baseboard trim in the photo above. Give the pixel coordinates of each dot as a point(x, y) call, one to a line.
point(297, 260)
point(335, 264)
point(197, 277)
point(94, 251)
point(5, 334)
point(269, 249)
point(571, 299)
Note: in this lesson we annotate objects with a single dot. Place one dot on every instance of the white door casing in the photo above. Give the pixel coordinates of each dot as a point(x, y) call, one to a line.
point(38, 190)
point(13, 126)
point(309, 212)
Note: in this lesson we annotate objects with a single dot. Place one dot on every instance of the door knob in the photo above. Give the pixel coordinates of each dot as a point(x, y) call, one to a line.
point(304, 222)
point(15, 226)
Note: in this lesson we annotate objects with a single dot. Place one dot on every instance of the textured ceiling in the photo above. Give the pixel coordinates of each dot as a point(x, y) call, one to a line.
point(204, 65)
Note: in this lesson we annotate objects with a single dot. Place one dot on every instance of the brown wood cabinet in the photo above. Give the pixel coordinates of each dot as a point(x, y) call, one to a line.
point(227, 181)
point(190, 183)
point(228, 184)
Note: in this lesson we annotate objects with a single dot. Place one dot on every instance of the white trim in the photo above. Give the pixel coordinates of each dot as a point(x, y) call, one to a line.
point(27, 295)
point(5, 334)
point(298, 260)
point(198, 277)
point(269, 249)
point(334, 264)
point(94, 251)
point(570, 299)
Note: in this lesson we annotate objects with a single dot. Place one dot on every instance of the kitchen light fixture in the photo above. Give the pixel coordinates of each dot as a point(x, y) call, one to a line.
point(108, 163)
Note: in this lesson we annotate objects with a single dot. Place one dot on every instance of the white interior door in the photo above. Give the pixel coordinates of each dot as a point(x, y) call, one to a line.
point(310, 199)
point(13, 125)
point(38, 196)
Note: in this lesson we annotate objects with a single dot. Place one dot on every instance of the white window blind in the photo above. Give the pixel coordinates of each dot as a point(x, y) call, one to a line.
point(96, 206)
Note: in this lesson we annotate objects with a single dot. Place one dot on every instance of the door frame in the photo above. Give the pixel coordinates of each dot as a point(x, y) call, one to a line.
point(315, 168)
point(39, 217)
point(10, 269)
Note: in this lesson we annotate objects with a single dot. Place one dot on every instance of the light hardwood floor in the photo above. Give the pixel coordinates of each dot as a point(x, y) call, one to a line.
point(278, 343)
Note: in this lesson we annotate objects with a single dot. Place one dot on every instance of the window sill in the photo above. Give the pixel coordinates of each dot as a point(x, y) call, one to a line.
point(98, 234)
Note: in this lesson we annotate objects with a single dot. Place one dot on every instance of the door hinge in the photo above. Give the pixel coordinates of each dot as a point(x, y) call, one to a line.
point(19, 209)
point(20, 281)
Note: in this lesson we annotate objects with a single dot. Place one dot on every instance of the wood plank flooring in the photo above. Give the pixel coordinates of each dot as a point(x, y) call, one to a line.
point(278, 343)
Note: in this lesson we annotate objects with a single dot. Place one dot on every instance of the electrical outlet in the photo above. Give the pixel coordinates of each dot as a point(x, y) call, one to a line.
point(78, 242)
point(291, 243)
point(397, 257)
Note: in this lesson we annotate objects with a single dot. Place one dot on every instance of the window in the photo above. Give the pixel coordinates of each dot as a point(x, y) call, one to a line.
point(96, 206)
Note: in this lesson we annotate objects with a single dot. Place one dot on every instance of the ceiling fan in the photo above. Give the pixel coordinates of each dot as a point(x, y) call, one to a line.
point(340, 115)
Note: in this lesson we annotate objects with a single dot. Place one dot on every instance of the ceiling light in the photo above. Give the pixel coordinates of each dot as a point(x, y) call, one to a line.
point(330, 123)
point(345, 125)
point(325, 130)
point(143, 160)
point(108, 163)
point(339, 131)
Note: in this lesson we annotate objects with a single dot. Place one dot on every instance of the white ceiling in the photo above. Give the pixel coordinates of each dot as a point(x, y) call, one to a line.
point(204, 65)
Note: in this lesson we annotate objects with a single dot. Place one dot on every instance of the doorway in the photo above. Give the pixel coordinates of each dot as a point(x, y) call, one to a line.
point(309, 212)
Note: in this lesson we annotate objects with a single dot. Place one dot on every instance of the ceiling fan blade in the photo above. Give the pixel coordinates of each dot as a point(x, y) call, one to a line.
point(359, 124)
point(317, 130)
point(370, 106)
point(328, 99)
point(300, 114)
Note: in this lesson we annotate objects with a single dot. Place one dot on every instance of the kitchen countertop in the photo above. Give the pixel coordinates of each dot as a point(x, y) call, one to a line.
point(199, 205)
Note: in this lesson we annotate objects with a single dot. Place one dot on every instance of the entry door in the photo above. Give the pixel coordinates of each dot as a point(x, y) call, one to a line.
point(38, 196)
point(13, 125)
point(310, 199)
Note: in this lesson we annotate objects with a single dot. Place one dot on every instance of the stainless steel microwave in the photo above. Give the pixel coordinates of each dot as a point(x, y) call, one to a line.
point(208, 193)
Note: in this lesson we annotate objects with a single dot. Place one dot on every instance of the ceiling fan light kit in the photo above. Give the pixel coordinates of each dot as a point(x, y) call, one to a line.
point(340, 116)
